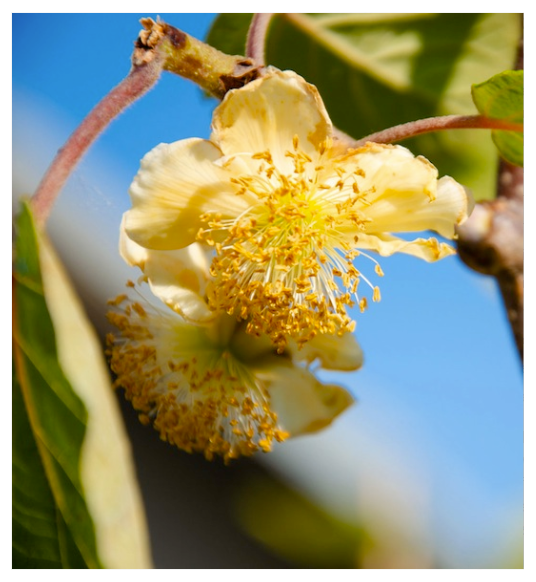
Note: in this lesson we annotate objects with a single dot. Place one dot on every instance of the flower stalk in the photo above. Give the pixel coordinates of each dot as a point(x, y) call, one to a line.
point(159, 47)
point(141, 78)
point(256, 40)
point(430, 124)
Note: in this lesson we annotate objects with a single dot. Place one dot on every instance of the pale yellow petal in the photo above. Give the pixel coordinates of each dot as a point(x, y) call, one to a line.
point(178, 278)
point(132, 253)
point(404, 194)
point(301, 402)
point(428, 249)
point(457, 199)
point(266, 115)
point(334, 352)
point(188, 303)
point(176, 184)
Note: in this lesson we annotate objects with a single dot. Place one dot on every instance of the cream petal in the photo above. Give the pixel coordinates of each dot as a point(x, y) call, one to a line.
point(334, 352)
point(175, 185)
point(374, 156)
point(178, 278)
point(183, 300)
point(407, 196)
point(450, 193)
point(301, 402)
point(267, 113)
point(429, 250)
point(131, 252)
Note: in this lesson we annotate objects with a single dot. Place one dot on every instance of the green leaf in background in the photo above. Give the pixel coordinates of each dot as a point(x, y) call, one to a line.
point(229, 32)
point(75, 498)
point(295, 528)
point(501, 97)
point(378, 70)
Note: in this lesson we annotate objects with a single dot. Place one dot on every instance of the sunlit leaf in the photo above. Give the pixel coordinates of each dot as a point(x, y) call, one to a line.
point(378, 70)
point(76, 501)
point(501, 97)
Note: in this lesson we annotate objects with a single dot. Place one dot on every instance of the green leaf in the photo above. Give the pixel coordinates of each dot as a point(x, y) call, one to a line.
point(501, 97)
point(229, 32)
point(378, 70)
point(76, 502)
point(295, 528)
point(41, 538)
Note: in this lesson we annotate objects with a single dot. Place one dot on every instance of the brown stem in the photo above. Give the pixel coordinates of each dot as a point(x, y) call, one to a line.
point(212, 70)
point(491, 242)
point(256, 40)
point(140, 80)
point(413, 128)
point(511, 276)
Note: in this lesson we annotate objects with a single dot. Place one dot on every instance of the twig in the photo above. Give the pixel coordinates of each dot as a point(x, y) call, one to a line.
point(491, 242)
point(140, 80)
point(256, 40)
point(413, 128)
point(214, 71)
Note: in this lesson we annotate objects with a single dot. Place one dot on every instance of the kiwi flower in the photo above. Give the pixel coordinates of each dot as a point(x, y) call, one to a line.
point(213, 388)
point(288, 210)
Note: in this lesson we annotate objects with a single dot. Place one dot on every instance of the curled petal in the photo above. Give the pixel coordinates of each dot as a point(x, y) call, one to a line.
point(334, 352)
point(449, 195)
point(404, 195)
point(177, 183)
point(266, 115)
point(178, 278)
point(180, 289)
point(302, 403)
point(132, 253)
point(428, 249)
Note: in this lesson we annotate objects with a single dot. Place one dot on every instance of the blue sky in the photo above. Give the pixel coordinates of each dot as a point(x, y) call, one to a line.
point(441, 388)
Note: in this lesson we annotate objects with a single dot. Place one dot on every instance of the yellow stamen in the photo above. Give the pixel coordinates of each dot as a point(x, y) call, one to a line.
point(195, 392)
point(277, 262)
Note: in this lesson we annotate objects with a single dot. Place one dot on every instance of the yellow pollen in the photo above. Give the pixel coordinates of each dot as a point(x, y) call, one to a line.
point(209, 402)
point(118, 300)
point(376, 294)
point(276, 264)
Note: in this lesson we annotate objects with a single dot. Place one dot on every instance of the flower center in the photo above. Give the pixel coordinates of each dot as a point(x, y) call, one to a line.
point(186, 381)
point(286, 264)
